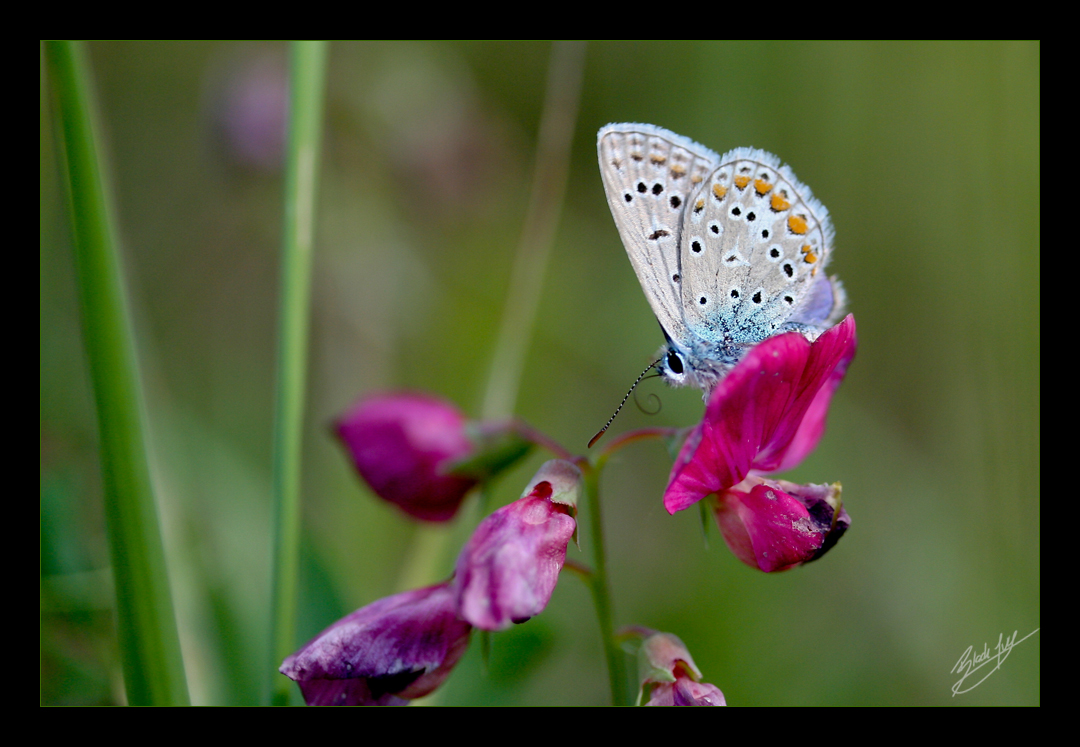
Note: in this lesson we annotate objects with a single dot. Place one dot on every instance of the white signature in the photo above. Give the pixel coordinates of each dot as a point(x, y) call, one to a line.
point(971, 662)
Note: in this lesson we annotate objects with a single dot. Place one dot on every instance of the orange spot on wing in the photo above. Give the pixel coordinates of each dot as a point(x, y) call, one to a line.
point(762, 186)
point(719, 190)
point(742, 181)
point(778, 203)
point(678, 170)
point(797, 224)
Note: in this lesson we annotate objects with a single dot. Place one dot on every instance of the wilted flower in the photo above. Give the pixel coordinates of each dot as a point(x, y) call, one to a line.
point(763, 417)
point(665, 663)
point(396, 649)
point(508, 570)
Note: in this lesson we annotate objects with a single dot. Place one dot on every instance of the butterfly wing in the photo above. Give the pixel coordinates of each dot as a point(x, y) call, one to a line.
point(649, 174)
point(755, 241)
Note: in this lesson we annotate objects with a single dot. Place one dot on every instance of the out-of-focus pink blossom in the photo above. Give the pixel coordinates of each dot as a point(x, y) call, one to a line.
point(403, 445)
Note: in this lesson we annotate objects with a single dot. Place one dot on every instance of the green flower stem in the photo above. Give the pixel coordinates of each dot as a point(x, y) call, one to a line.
point(624, 439)
point(597, 579)
point(580, 570)
point(532, 435)
point(601, 590)
point(306, 89)
point(146, 624)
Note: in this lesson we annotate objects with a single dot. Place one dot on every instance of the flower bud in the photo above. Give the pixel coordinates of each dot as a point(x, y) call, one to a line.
point(508, 570)
point(402, 444)
point(774, 525)
point(396, 649)
point(665, 664)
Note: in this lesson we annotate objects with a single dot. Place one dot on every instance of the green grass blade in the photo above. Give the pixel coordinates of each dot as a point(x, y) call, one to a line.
point(146, 624)
point(306, 86)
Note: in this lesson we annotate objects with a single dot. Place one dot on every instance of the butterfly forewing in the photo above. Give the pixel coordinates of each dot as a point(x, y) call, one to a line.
point(649, 175)
point(753, 241)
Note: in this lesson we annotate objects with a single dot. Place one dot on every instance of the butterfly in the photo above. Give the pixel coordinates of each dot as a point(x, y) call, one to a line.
point(730, 250)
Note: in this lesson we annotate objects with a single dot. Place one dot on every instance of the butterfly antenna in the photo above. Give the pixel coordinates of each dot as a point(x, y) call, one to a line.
point(619, 408)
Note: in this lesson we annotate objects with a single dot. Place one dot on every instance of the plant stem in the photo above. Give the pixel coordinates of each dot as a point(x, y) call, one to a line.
point(306, 93)
point(624, 439)
point(601, 590)
point(146, 624)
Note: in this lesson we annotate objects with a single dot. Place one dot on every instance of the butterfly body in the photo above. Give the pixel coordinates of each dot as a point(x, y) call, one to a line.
point(730, 250)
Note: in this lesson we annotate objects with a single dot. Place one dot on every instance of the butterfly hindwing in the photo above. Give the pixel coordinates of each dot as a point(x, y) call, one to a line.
point(753, 241)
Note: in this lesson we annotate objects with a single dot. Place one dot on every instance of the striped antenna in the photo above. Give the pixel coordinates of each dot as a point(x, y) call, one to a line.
point(619, 408)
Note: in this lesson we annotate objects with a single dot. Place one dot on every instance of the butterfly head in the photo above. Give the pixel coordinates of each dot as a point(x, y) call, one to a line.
point(699, 365)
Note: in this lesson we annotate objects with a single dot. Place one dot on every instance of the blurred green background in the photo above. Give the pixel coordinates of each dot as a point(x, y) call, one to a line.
point(927, 157)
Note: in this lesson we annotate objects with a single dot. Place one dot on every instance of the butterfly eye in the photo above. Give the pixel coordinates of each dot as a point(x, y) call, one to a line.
point(674, 362)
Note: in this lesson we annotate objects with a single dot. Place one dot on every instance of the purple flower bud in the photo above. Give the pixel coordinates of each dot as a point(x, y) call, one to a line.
point(402, 445)
point(774, 525)
point(508, 570)
point(396, 649)
point(665, 663)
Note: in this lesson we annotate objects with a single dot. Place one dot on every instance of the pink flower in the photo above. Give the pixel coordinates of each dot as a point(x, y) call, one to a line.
point(665, 664)
point(402, 445)
point(508, 570)
point(764, 417)
point(396, 649)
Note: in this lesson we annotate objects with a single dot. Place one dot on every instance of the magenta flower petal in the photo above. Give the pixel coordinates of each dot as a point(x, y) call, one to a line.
point(401, 445)
point(830, 356)
point(396, 649)
point(776, 525)
point(508, 570)
point(767, 414)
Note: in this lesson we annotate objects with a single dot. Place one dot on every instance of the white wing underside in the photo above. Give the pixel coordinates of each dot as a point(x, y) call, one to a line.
point(727, 249)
